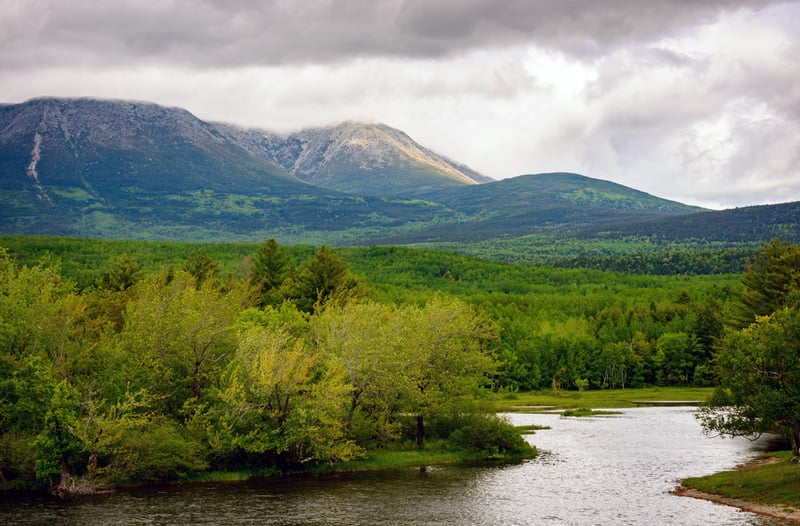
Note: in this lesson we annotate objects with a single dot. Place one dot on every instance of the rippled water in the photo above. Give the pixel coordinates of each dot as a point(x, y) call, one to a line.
point(594, 471)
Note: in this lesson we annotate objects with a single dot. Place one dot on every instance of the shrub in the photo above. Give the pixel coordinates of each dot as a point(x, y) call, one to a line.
point(489, 434)
point(159, 451)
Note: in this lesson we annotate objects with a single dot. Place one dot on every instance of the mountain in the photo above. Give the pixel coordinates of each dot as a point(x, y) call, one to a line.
point(559, 190)
point(95, 144)
point(356, 158)
point(114, 169)
point(562, 202)
point(129, 169)
point(736, 225)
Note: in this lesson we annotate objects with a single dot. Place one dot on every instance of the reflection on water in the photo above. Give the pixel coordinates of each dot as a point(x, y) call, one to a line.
point(598, 470)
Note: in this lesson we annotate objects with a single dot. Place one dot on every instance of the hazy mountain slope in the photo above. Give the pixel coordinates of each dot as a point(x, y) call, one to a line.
point(126, 169)
point(552, 190)
point(763, 222)
point(562, 202)
point(85, 142)
point(116, 169)
point(357, 158)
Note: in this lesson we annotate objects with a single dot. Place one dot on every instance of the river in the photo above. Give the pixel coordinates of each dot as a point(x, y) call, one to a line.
point(600, 470)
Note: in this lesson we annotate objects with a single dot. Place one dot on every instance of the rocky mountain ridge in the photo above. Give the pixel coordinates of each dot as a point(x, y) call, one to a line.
point(357, 158)
point(90, 168)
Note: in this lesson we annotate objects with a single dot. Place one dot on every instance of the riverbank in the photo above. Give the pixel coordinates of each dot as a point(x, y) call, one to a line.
point(376, 461)
point(382, 460)
point(600, 398)
point(768, 486)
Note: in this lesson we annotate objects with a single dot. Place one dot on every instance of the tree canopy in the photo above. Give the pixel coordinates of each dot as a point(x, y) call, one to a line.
point(153, 376)
point(757, 361)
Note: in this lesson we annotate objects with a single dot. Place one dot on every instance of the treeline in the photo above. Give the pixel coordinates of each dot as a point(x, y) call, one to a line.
point(667, 263)
point(153, 376)
point(736, 225)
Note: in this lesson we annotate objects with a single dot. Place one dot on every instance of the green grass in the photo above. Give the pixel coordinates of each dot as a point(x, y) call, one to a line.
point(585, 411)
point(382, 460)
point(531, 429)
point(396, 459)
point(595, 399)
point(776, 484)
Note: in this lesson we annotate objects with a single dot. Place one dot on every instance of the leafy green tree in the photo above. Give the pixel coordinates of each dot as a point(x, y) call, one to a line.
point(759, 373)
point(707, 325)
point(128, 441)
point(673, 359)
point(58, 444)
point(39, 345)
point(365, 341)
point(614, 359)
point(24, 392)
point(642, 368)
point(566, 350)
point(177, 338)
point(284, 317)
point(277, 400)
point(123, 272)
point(447, 358)
point(30, 299)
point(758, 366)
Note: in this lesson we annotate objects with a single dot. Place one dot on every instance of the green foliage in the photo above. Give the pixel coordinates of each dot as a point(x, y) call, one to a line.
point(163, 372)
point(771, 282)
point(321, 279)
point(153, 449)
point(757, 365)
point(366, 341)
point(123, 272)
point(176, 338)
point(490, 435)
point(759, 372)
point(202, 268)
point(279, 401)
point(57, 443)
point(271, 268)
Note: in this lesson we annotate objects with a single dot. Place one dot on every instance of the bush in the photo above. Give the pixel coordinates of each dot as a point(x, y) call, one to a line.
point(156, 452)
point(489, 434)
point(16, 459)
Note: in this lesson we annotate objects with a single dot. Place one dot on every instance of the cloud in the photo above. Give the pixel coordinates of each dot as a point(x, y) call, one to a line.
point(695, 101)
point(219, 34)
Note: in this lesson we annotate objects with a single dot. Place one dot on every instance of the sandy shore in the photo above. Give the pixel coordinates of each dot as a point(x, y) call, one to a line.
point(779, 512)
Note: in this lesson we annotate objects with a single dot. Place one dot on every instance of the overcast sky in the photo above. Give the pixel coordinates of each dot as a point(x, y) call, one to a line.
point(692, 100)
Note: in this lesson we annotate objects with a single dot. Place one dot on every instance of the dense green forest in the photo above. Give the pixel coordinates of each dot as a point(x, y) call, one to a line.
point(129, 360)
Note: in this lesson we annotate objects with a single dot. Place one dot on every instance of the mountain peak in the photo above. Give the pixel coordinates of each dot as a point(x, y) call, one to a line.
point(368, 159)
point(365, 159)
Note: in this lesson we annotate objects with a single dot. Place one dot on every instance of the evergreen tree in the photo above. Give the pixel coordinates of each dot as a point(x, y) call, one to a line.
point(769, 282)
point(321, 279)
point(271, 268)
point(202, 267)
point(123, 272)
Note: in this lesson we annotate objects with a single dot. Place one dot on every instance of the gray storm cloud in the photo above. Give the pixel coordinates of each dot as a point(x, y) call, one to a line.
point(212, 33)
point(694, 100)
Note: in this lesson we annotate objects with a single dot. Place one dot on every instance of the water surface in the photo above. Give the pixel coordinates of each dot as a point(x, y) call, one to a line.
point(593, 471)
